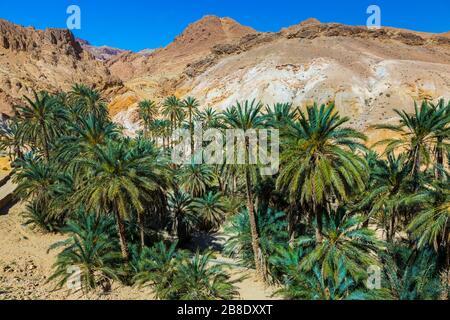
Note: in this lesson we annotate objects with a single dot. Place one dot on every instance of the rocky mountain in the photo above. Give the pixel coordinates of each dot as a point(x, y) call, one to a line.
point(366, 72)
point(48, 59)
point(196, 41)
point(102, 53)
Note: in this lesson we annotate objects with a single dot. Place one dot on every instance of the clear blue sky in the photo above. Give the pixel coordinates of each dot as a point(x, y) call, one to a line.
point(139, 24)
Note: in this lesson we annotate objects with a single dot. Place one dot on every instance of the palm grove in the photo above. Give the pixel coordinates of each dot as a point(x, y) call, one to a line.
point(336, 210)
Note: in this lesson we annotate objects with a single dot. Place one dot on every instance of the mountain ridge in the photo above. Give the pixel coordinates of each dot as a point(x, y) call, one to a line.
point(366, 72)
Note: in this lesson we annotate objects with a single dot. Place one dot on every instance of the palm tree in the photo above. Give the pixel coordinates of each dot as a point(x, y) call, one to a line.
point(39, 121)
point(196, 178)
point(157, 268)
point(272, 234)
point(191, 104)
point(211, 208)
point(199, 279)
point(390, 191)
point(432, 225)
point(34, 178)
point(280, 115)
point(209, 118)
point(161, 129)
point(247, 117)
point(344, 241)
point(9, 138)
point(147, 113)
point(318, 161)
point(172, 108)
point(85, 134)
point(119, 180)
point(420, 133)
point(183, 216)
point(314, 285)
point(85, 101)
point(411, 274)
point(442, 138)
point(90, 251)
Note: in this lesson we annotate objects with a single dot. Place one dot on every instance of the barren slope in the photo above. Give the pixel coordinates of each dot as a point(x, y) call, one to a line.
point(367, 73)
point(44, 60)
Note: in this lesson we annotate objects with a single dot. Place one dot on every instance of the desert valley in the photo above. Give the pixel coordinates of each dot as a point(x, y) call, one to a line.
point(86, 164)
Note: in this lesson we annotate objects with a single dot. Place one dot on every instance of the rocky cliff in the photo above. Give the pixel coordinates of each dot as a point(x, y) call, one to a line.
point(50, 59)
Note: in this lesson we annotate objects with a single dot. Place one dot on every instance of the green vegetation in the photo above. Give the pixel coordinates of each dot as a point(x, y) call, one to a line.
point(335, 211)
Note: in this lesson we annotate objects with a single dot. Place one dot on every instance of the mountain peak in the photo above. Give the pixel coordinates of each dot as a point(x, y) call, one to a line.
point(212, 30)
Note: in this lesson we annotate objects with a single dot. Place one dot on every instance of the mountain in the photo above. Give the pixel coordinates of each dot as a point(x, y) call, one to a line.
point(102, 53)
point(366, 72)
point(50, 59)
point(196, 41)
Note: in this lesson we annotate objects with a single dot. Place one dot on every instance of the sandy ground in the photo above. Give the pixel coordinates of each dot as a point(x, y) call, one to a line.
point(25, 265)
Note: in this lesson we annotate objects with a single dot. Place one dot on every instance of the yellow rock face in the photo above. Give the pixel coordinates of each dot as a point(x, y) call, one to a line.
point(122, 102)
point(5, 165)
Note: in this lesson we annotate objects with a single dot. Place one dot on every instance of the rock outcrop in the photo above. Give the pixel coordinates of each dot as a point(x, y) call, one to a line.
point(50, 59)
point(101, 53)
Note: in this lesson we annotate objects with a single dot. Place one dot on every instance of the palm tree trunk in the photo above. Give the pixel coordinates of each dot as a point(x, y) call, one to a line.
point(391, 233)
point(291, 223)
point(46, 147)
point(191, 128)
point(253, 226)
point(141, 229)
point(439, 159)
point(122, 237)
point(416, 168)
point(319, 227)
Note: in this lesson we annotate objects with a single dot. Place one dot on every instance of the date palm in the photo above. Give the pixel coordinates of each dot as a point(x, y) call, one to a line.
point(209, 117)
point(161, 129)
point(172, 109)
point(432, 225)
point(39, 121)
point(34, 178)
point(442, 138)
point(211, 209)
point(184, 219)
point(390, 192)
point(90, 252)
point(280, 115)
point(247, 116)
point(86, 133)
point(319, 162)
point(119, 180)
point(147, 112)
point(9, 138)
point(157, 268)
point(196, 178)
point(191, 104)
point(420, 133)
point(344, 241)
point(199, 279)
point(340, 285)
point(85, 100)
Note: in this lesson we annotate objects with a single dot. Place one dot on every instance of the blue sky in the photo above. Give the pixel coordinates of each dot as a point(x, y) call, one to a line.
point(139, 24)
